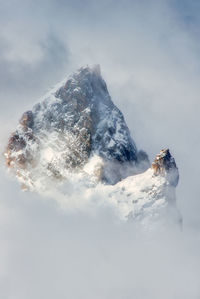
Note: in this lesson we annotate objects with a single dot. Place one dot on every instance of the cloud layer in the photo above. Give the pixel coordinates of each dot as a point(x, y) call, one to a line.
point(47, 253)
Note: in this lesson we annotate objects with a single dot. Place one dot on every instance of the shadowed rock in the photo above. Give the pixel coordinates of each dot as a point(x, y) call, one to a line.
point(164, 164)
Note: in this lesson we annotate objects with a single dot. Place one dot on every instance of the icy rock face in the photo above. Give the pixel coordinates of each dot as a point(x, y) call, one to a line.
point(72, 124)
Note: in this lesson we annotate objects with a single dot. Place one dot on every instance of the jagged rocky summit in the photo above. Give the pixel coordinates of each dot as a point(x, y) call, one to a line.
point(77, 129)
point(72, 124)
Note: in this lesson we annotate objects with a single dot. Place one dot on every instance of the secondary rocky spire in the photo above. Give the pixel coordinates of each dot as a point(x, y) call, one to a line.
point(165, 165)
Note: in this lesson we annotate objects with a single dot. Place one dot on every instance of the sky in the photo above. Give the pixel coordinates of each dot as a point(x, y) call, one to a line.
point(149, 56)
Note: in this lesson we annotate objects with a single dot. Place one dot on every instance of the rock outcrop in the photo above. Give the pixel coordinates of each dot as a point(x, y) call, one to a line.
point(165, 165)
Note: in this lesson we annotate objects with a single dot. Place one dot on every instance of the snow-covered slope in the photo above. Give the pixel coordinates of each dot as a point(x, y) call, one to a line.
point(76, 134)
point(145, 197)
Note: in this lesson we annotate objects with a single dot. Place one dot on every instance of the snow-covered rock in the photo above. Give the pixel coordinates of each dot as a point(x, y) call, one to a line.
point(76, 134)
point(72, 124)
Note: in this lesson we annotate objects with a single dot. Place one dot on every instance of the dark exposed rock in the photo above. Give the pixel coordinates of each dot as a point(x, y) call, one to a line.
point(27, 120)
point(164, 164)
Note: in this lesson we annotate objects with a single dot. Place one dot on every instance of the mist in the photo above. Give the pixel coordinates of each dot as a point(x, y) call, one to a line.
point(48, 252)
point(149, 57)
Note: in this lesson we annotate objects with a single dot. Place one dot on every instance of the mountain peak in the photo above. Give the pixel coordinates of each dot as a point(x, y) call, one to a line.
point(77, 130)
point(95, 69)
point(74, 123)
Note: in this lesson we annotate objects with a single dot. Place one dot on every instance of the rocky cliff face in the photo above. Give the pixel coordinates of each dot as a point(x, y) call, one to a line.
point(77, 130)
